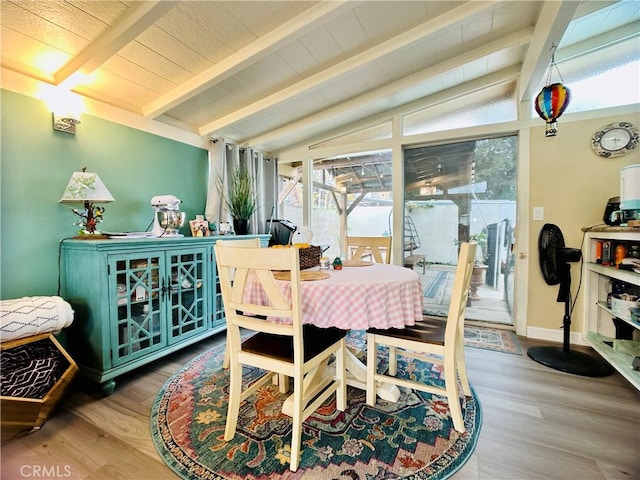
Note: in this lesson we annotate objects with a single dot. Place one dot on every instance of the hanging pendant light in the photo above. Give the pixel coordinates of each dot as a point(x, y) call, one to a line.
point(552, 100)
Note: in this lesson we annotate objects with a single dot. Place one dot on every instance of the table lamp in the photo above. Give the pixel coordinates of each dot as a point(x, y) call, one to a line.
point(87, 188)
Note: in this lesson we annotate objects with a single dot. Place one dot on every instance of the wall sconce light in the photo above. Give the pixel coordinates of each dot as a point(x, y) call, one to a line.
point(66, 108)
point(65, 122)
point(87, 188)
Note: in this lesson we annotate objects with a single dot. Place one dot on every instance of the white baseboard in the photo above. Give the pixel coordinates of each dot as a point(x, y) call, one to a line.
point(554, 335)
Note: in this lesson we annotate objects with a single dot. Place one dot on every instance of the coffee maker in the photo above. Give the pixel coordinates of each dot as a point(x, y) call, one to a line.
point(611, 215)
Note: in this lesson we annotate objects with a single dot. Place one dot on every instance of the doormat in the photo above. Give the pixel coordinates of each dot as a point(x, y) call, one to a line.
point(436, 282)
point(496, 339)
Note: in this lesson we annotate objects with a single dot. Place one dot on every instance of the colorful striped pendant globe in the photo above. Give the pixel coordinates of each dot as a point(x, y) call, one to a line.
point(550, 103)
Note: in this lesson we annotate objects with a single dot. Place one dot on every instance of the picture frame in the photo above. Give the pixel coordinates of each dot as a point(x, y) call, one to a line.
point(199, 228)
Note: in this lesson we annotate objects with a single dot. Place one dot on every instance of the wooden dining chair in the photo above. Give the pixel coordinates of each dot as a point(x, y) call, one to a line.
point(294, 350)
point(374, 246)
point(442, 338)
point(242, 242)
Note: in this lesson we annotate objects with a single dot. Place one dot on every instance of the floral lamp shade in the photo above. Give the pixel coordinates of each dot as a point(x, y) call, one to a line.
point(87, 188)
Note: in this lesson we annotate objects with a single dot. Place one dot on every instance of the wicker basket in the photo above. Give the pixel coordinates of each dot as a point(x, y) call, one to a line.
point(310, 257)
point(21, 414)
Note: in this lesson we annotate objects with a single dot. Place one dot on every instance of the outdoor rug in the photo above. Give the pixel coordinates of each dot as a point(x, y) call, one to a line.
point(411, 439)
point(436, 289)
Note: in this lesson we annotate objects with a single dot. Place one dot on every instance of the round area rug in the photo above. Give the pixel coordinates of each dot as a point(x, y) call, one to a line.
point(411, 439)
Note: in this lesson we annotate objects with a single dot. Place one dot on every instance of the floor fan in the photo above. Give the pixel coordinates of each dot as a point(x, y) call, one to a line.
point(555, 261)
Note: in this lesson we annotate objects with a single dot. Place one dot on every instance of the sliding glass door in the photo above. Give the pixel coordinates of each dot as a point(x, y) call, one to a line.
point(458, 192)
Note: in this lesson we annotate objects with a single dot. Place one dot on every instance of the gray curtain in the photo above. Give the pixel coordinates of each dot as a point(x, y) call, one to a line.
point(215, 205)
point(263, 171)
point(223, 159)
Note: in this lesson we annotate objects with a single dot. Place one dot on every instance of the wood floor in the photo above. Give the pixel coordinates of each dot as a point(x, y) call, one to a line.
point(537, 424)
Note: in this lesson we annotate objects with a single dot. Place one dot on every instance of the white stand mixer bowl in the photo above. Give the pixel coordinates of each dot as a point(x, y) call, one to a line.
point(168, 222)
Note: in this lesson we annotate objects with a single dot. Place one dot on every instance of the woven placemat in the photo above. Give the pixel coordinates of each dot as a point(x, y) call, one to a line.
point(304, 276)
point(356, 263)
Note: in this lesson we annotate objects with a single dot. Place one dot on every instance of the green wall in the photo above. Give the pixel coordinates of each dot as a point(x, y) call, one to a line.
point(36, 163)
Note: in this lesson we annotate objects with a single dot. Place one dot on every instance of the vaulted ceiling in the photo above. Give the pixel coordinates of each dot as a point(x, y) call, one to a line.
point(272, 74)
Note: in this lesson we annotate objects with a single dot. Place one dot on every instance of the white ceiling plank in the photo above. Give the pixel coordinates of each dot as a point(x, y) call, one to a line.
point(335, 115)
point(516, 39)
point(107, 12)
point(550, 27)
point(428, 75)
point(65, 15)
point(262, 47)
point(298, 58)
point(119, 65)
point(164, 45)
point(136, 19)
point(322, 46)
point(16, 18)
point(184, 30)
point(348, 32)
point(24, 49)
point(403, 40)
point(144, 57)
point(230, 35)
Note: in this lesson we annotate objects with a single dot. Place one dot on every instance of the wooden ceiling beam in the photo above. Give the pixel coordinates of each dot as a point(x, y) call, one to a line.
point(135, 20)
point(550, 27)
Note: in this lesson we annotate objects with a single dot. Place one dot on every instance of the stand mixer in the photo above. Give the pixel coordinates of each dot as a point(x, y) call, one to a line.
point(168, 218)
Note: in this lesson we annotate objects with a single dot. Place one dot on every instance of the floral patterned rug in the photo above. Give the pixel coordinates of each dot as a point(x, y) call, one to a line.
point(411, 439)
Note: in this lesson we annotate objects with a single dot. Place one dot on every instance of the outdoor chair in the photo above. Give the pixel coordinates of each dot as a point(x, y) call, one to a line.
point(370, 246)
point(290, 349)
point(428, 338)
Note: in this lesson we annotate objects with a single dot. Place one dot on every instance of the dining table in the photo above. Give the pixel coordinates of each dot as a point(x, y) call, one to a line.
point(358, 296)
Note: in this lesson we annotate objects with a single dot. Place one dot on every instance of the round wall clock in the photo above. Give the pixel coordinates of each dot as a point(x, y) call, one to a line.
point(615, 140)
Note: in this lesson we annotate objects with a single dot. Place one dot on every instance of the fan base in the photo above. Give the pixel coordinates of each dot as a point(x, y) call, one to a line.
point(577, 363)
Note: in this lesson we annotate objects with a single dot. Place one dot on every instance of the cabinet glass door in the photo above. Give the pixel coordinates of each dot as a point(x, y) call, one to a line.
point(219, 317)
point(187, 305)
point(136, 315)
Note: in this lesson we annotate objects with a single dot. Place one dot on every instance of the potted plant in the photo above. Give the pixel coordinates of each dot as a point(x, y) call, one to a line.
point(479, 267)
point(241, 199)
point(481, 240)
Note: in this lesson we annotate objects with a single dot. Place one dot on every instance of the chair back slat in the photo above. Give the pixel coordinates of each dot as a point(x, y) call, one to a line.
point(243, 268)
point(370, 245)
point(460, 292)
point(260, 325)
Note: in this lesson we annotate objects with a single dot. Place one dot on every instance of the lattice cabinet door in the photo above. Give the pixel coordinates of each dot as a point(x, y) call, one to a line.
point(137, 314)
point(218, 319)
point(188, 304)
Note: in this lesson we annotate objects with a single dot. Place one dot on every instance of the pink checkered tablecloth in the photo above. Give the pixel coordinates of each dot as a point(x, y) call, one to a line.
point(357, 298)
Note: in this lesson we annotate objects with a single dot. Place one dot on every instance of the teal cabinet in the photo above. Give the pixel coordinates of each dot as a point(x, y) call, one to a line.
point(137, 300)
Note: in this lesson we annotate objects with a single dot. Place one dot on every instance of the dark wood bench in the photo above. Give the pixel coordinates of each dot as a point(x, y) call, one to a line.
point(413, 260)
